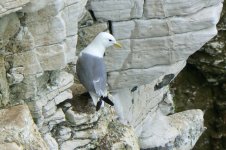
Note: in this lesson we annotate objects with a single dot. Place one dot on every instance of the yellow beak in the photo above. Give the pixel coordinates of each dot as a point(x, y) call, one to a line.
point(118, 45)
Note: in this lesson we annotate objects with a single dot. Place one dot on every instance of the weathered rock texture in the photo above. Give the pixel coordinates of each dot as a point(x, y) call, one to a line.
point(18, 130)
point(201, 85)
point(38, 40)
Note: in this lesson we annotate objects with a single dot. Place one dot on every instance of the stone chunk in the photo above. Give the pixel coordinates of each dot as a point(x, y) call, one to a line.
point(117, 10)
point(168, 26)
point(70, 48)
point(17, 126)
point(4, 88)
point(148, 52)
point(9, 6)
point(178, 131)
point(64, 80)
point(72, 13)
point(81, 118)
point(51, 142)
point(73, 144)
point(63, 96)
point(133, 77)
point(64, 130)
point(47, 56)
point(10, 146)
point(49, 106)
point(9, 26)
point(60, 82)
point(23, 41)
point(162, 9)
point(57, 118)
point(119, 137)
point(15, 76)
point(63, 133)
point(133, 107)
point(46, 31)
point(34, 6)
point(29, 61)
point(153, 54)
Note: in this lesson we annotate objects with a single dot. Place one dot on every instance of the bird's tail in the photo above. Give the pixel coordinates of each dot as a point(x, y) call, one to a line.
point(100, 103)
point(107, 100)
point(94, 98)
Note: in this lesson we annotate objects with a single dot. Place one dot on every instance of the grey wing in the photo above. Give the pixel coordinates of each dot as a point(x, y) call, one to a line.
point(92, 74)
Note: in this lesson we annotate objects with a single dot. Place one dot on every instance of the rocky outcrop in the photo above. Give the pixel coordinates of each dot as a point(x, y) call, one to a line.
point(172, 131)
point(156, 46)
point(10, 6)
point(37, 42)
point(201, 85)
point(39, 39)
point(18, 130)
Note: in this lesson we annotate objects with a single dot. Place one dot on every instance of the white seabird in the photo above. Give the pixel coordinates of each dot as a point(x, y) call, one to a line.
point(91, 70)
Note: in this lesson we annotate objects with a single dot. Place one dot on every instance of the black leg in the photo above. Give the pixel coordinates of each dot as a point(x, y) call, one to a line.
point(99, 103)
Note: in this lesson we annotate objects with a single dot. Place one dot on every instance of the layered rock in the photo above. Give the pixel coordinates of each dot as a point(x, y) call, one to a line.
point(10, 6)
point(18, 130)
point(37, 42)
point(173, 131)
point(201, 84)
point(39, 39)
point(155, 48)
point(146, 54)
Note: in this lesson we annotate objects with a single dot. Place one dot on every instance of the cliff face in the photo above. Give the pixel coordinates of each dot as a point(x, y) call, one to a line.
point(201, 85)
point(38, 54)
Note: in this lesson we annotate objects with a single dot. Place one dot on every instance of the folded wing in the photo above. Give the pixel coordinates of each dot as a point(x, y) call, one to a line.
point(92, 73)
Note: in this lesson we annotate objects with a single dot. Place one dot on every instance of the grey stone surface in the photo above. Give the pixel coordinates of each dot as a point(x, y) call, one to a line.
point(18, 129)
point(133, 77)
point(64, 133)
point(38, 40)
point(117, 10)
point(10, 6)
point(53, 119)
point(50, 141)
point(155, 46)
point(159, 9)
point(148, 28)
point(11, 146)
point(81, 118)
point(73, 144)
point(9, 25)
point(119, 137)
point(173, 131)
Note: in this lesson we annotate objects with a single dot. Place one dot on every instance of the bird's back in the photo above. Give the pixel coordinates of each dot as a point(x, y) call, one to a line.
point(89, 69)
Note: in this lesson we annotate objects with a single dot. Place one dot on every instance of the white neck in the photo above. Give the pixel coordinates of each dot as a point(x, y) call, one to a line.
point(95, 48)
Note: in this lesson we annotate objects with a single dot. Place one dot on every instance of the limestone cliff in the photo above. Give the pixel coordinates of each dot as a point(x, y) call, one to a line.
point(38, 54)
point(201, 85)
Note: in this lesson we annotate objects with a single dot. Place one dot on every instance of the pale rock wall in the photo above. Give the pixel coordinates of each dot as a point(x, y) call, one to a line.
point(38, 40)
point(156, 44)
point(18, 131)
point(10, 6)
point(209, 63)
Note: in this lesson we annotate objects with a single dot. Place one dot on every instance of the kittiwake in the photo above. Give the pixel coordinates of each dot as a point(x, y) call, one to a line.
point(91, 70)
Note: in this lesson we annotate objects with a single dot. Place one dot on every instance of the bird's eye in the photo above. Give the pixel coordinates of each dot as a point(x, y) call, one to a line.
point(109, 40)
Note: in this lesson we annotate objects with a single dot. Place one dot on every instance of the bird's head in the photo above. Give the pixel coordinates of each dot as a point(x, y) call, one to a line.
point(107, 40)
